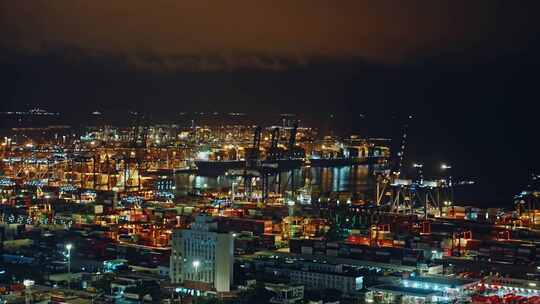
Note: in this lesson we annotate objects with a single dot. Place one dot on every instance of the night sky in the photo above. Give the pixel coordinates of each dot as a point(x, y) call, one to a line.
point(382, 30)
point(467, 70)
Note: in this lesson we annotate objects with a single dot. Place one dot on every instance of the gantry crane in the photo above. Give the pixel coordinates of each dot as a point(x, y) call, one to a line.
point(386, 179)
point(135, 161)
point(270, 166)
point(291, 153)
point(252, 160)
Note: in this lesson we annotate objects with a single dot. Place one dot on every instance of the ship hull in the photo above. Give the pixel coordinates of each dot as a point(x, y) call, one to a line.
point(335, 162)
point(214, 168)
point(282, 164)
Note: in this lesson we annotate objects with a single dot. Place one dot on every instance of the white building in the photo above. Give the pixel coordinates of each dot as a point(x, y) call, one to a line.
point(202, 257)
point(286, 294)
point(346, 283)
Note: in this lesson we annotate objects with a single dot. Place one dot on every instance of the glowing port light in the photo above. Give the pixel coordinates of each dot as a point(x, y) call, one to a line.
point(133, 199)
point(36, 182)
point(6, 182)
point(89, 193)
point(445, 167)
point(68, 188)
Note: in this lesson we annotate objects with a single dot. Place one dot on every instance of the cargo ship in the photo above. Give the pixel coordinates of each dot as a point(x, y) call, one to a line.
point(218, 167)
point(283, 164)
point(333, 155)
point(219, 161)
point(336, 161)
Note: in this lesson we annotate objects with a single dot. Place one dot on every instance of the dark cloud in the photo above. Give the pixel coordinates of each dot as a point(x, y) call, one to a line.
point(376, 29)
point(206, 63)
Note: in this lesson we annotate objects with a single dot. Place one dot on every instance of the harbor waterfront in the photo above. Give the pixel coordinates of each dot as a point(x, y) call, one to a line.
point(165, 206)
point(353, 179)
point(269, 152)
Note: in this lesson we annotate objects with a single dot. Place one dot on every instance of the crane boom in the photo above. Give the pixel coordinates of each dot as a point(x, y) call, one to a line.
point(292, 139)
point(273, 151)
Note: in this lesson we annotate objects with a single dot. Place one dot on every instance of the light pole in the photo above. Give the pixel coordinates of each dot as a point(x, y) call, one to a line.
point(450, 185)
point(28, 292)
point(196, 265)
point(69, 247)
point(446, 167)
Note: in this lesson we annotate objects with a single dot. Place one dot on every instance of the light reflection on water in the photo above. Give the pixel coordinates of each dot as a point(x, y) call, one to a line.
point(325, 180)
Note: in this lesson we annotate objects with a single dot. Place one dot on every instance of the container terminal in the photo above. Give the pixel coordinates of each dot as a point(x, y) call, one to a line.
point(104, 215)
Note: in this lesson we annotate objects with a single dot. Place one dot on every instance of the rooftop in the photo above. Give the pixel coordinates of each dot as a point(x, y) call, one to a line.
point(405, 291)
point(440, 280)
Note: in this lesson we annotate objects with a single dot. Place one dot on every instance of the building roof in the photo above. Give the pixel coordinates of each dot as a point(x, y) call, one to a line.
point(447, 281)
point(405, 291)
point(338, 260)
point(339, 274)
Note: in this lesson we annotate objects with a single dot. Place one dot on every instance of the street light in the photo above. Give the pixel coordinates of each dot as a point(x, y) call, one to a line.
point(445, 167)
point(69, 247)
point(196, 265)
point(28, 292)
